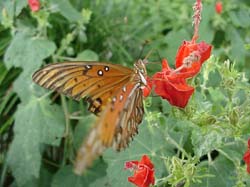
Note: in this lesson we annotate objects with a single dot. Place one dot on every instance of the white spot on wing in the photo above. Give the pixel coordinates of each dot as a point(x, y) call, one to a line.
point(106, 68)
point(124, 89)
point(121, 97)
point(88, 66)
point(100, 72)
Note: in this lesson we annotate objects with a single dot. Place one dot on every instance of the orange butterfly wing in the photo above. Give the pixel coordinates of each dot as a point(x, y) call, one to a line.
point(115, 88)
point(94, 81)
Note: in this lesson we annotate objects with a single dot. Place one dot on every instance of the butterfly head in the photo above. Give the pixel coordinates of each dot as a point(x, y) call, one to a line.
point(140, 70)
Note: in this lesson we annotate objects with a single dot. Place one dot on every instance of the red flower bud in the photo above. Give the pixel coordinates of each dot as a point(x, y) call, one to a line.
point(34, 5)
point(218, 7)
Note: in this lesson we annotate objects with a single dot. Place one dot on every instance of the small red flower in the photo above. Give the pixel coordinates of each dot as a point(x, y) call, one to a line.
point(34, 5)
point(218, 7)
point(246, 157)
point(143, 172)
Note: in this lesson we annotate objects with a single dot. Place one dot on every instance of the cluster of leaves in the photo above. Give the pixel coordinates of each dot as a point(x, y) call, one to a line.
point(202, 145)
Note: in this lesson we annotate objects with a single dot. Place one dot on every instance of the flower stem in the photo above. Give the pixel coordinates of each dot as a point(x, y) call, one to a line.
point(197, 19)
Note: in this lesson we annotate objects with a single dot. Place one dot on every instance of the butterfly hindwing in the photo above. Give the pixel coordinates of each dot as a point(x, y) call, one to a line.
point(117, 124)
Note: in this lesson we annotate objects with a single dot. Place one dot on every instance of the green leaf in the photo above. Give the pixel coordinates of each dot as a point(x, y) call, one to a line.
point(205, 140)
point(3, 71)
point(23, 86)
point(233, 149)
point(82, 130)
point(37, 122)
point(217, 96)
point(44, 179)
point(104, 181)
point(240, 18)
point(237, 51)
point(214, 79)
point(20, 4)
point(87, 55)
point(222, 173)
point(27, 52)
point(7, 12)
point(11, 6)
point(67, 10)
point(65, 177)
point(206, 32)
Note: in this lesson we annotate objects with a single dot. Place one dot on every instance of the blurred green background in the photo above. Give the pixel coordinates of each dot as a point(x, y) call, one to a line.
point(34, 150)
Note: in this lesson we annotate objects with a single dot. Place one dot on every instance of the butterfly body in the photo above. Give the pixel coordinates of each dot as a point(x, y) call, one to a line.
point(114, 93)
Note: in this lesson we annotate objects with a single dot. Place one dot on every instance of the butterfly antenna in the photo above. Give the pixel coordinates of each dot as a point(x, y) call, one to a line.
point(158, 54)
point(146, 42)
point(148, 54)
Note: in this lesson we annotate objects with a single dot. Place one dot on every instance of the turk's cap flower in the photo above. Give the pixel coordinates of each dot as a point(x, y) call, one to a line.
point(218, 7)
point(143, 172)
point(34, 5)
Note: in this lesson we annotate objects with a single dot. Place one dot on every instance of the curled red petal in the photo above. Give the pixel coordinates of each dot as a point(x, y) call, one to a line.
point(184, 50)
point(248, 143)
point(172, 88)
point(147, 89)
point(165, 66)
point(248, 169)
point(139, 177)
point(246, 157)
point(145, 160)
point(205, 51)
point(131, 164)
point(176, 94)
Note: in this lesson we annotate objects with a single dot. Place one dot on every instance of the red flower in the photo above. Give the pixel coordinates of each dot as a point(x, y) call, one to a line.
point(143, 172)
point(246, 157)
point(170, 83)
point(34, 5)
point(218, 7)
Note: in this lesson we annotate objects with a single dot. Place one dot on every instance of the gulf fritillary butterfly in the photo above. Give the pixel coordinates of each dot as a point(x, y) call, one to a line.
point(114, 93)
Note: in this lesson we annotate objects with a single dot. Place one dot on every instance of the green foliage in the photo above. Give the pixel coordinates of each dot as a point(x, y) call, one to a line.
point(32, 129)
point(201, 145)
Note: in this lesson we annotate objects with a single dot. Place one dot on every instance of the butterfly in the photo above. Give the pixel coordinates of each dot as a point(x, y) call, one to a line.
point(114, 93)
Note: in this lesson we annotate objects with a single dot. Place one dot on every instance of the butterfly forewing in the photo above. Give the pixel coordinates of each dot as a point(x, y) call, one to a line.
point(94, 81)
